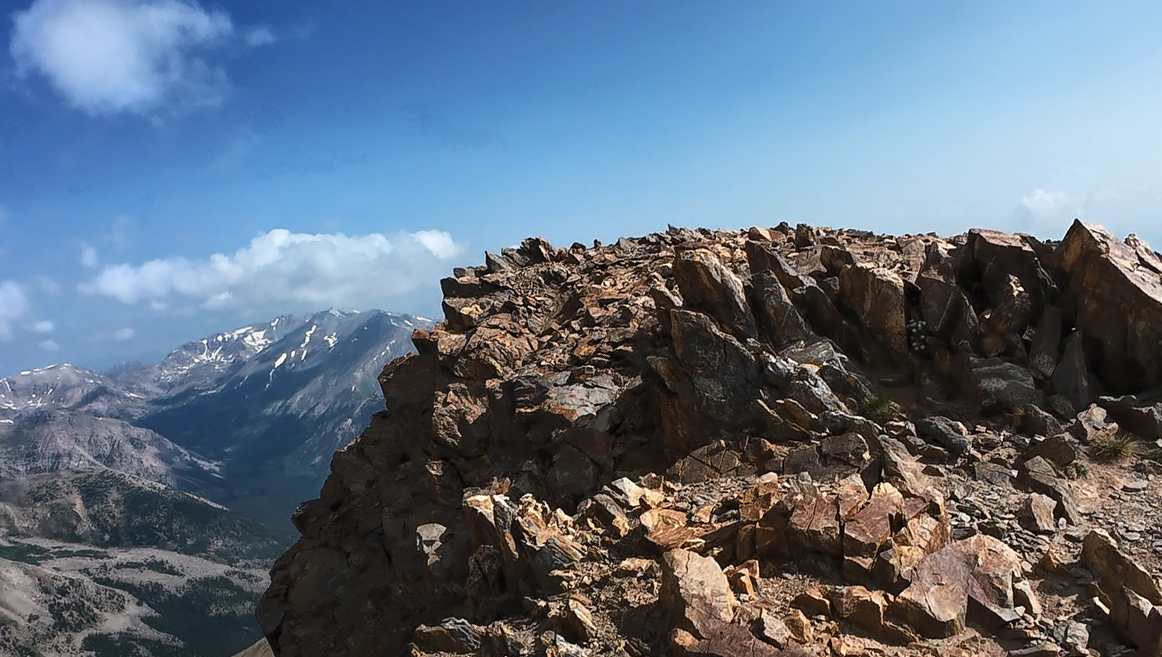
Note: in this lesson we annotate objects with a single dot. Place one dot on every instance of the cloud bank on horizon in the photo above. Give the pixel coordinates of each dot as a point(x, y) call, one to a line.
point(280, 268)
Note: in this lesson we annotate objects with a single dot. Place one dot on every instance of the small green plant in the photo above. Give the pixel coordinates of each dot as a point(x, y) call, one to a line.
point(879, 408)
point(1113, 446)
point(1077, 470)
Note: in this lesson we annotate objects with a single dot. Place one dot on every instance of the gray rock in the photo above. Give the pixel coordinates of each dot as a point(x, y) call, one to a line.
point(1006, 384)
point(1071, 377)
point(948, 433)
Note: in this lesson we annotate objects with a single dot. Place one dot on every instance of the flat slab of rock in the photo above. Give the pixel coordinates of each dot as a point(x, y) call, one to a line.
point(980, 568)
point(696, 592)
point(728, 641)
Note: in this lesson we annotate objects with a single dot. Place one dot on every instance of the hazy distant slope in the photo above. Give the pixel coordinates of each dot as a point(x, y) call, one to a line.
point(67, 600)
point(109, 543)
point(55, 441)
point(275, 421)
point(105, 508)
point(247, 417)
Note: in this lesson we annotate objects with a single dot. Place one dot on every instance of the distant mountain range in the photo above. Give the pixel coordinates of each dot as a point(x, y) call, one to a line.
point(140, 507)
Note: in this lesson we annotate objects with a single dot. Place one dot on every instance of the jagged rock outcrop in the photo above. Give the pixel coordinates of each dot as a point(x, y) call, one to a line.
point(644, 448)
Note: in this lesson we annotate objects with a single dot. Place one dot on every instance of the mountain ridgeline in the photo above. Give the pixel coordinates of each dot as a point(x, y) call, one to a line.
point(248, 418)
point(140, 507)
point(772, 442)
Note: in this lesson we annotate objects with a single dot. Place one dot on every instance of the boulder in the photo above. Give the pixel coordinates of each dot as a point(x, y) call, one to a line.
point(779, 320)
point(995, 258)
point(876, 296)
point(815, 601)
point(763, 258)
point(633, 496)
point(1091, 423)
point(1144, 421)
point(1012, 309)
point(494, 263)
point(980, 569)
point(578, 621)
point(696, 593)
point(866, 531)
point(773, 630)
point(1001, 383)
point(1035, 421)
point(1059, 450)
point(814, 524)
point(1036, 475)
point(1115, 570)
point(706, 284)
point(453, 635)
point(945, 432)
point(1036, 514)
point(606, 514)
point(1142, 624)
point(862, 607)
point(800, 627)
point(1118, 299)
point(944, 307)
point(710, 462)
point(901, 468)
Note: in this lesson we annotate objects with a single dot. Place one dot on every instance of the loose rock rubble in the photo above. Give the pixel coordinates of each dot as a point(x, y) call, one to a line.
point(785, 441)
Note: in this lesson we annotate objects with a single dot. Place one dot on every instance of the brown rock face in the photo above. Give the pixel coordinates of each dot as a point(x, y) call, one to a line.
point(696, 592)
point(980, 568)
point(1118, 292)
point(707, 285)
point(1036, 514)
point(647, 447)
point(876, 294)
point(1132, 594)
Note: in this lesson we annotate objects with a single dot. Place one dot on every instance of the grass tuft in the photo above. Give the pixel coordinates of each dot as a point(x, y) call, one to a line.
point(879, 409)
point(1113, 446)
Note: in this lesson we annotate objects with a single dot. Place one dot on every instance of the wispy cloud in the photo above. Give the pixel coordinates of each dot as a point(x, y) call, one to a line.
point(109, 56)
point(43, 326)
point(48, 345)
point(124, 334)
point(260, 36)
point(88, 256)
point(13, 306)
point(281, 268)
point(1043, 203)
point(1046, 211)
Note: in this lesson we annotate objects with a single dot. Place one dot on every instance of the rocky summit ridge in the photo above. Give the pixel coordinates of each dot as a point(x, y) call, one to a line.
point(785, 441)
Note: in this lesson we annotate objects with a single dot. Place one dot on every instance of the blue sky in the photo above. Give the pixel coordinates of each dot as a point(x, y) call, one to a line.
point(170, 169)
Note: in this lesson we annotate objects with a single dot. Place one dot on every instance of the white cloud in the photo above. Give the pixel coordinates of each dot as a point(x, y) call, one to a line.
point(13, 305)
point(48, 345)
point(109, 56)
point(1046, 203)
point(43, 326)
point(260, 36)
point(124, 334)
point(88, 256)
point(281, 268)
